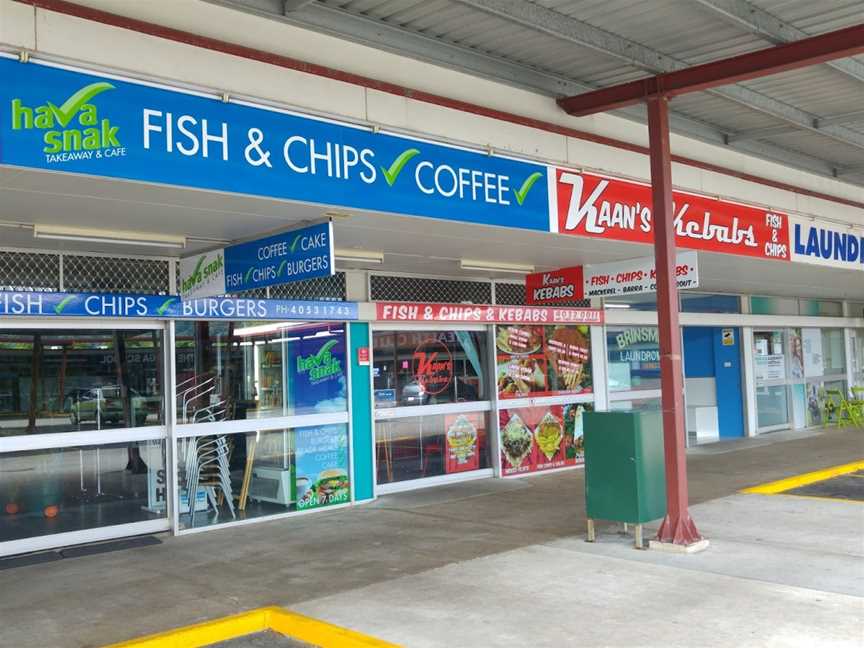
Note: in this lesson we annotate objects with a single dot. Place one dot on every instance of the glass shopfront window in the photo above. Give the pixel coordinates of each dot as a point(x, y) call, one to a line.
point(61, 490)
point(537, 361)
point(636, 405)
point(857, 358)
point(432, 390)
point(633, 354)
point(75, 380)
point(413, 368)
point(429, 446)
point(770, 371)
point(824, 361)
point(262, 473)
point(709, 303)
point(245, 370)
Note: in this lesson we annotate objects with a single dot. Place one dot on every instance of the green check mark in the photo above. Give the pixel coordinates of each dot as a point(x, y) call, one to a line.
point(281, 268)
point(399, 163)
point(161, 310)
point(324, 349)
point(73, 104)
point(248, 274)
point(63, 304)
point(294, 242)
point(522, 193)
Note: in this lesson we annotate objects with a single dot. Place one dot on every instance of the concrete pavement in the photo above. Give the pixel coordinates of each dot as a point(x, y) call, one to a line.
point(510, 550)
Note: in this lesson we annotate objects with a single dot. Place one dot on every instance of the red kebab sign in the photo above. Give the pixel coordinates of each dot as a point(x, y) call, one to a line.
point(590, 205)
point(415, 312)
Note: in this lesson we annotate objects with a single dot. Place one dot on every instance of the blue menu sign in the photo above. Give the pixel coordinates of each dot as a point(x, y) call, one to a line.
point(39, 304)
point(295, 255)
point(290, 256)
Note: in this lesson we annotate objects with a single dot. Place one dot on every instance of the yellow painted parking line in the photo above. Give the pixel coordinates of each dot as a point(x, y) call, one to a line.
point(285, 622)
point(775, 487)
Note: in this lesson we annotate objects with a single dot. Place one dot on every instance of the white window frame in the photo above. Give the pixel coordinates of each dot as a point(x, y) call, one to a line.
point(95, 438)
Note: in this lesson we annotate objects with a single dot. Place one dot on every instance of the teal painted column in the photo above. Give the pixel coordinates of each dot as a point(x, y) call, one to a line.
point(361, 416)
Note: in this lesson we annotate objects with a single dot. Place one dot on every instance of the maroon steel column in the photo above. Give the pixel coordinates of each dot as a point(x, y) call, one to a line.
point(677, 527)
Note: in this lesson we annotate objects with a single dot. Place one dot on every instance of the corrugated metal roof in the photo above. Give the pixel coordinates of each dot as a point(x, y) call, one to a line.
point(597, 43)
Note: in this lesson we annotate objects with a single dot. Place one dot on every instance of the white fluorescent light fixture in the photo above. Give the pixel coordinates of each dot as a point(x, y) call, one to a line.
point(358, 256)
point(113, 237)
point(616, 305)
point(263, 329)
point(490, 266)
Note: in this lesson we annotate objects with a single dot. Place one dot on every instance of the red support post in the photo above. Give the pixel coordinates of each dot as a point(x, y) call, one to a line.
point(677, 527)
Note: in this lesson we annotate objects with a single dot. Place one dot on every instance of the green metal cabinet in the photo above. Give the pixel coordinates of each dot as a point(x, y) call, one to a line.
point(624, 468)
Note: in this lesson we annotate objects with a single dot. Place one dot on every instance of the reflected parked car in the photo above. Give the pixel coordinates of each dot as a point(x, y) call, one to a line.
point(105, 404)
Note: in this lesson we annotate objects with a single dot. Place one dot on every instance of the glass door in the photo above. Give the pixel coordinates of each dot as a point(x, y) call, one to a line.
point(82, 433)
point(772, 391)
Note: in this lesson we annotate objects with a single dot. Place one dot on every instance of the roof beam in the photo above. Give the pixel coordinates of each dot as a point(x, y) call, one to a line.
point(818, 123)
point(850, 170)
point(294, 5)
point(380, 35)
point(780, 58)
point(758, 21)
point(580, 33)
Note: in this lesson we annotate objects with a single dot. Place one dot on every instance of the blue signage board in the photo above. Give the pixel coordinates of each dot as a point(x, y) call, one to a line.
point(300, 254)
point(61, 120)
point(39, 304)
point(316, 371)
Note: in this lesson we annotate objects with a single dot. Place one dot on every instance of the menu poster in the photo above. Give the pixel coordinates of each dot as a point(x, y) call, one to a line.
point(770, 367)
point(532, 439)
point(462, 442)
point(543, 360)
point(574, 439)
point(321, 466)
point(316, 372)
point(796, 352)
point(814, 364)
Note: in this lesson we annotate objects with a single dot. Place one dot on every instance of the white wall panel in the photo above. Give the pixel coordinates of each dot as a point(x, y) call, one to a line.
point(750, 192)
point(17, 25)
point(79, 39)
point(582, 153)
point(448, 123)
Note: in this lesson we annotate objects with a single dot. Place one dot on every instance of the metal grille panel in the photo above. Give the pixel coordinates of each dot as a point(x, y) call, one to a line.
point(513, 294)
point(29, 271)
point(115, 274)
point(390, 288)
point(323, 288)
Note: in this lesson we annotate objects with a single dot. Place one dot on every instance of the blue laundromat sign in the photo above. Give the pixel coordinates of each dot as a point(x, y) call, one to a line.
point(36, 304)
point(61, 120)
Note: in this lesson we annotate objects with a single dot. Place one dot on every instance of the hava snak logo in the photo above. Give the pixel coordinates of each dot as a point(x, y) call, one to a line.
point(320, 365)
point(72, 130)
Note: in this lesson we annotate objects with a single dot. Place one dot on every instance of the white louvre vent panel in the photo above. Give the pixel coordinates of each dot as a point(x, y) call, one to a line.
point(115, 274)
point(513, 294)
point(330, 288)
point(420, 289)
point(26, 271)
